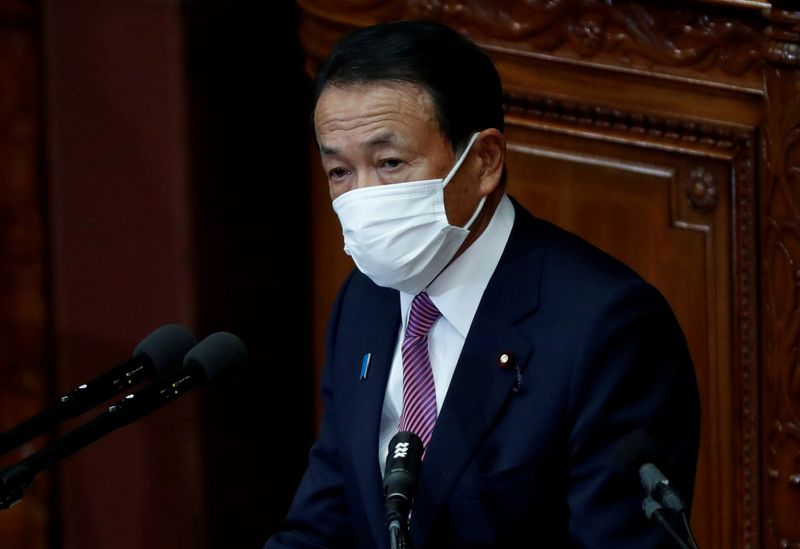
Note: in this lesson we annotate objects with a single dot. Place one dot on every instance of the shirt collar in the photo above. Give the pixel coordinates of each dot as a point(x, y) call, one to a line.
point(457, 291)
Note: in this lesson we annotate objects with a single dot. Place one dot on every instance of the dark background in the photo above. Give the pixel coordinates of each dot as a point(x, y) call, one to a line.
point(153, 169)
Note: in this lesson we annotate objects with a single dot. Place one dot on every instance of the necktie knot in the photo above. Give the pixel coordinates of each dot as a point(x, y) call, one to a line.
point(422, 316)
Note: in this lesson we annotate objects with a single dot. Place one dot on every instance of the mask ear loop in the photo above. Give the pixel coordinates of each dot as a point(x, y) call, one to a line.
point(460, 159)
point(453, 172)
point(475, 215)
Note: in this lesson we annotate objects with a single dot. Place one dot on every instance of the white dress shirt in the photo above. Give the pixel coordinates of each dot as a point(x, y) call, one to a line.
point(456, 292)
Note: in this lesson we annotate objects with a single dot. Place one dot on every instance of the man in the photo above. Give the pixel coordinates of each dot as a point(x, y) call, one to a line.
point(531, 364)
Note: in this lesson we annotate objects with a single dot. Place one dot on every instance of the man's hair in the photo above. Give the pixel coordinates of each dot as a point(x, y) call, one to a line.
point(461, 79)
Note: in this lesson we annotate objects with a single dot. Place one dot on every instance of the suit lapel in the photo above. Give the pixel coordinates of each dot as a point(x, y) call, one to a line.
point(480, 387)
point(380, 315)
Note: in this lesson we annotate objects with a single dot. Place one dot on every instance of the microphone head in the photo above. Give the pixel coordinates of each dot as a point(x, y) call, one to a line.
point(400, 480)
point(637, 452)
point(659, 487)
point(650, 507)
point(402, 464)
point(651, 476)
point(165, 347)
point(218, 354)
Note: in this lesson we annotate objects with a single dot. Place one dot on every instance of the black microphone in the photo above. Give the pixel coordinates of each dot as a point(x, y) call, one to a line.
point(657, 486)
point(636, 452)
point(215, 356)
point(159, 352)
point(400, 483)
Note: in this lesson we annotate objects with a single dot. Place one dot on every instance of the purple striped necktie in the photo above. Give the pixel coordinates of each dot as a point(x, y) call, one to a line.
point(419, 392)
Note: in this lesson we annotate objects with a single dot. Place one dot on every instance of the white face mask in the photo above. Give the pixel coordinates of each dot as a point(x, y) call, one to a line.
point(398, 234)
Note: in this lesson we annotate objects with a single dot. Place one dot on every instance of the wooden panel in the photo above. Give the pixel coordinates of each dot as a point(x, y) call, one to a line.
point(634, 202)
point(24, 314)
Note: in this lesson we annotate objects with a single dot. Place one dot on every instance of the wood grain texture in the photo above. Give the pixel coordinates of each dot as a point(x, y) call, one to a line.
point(24, 315)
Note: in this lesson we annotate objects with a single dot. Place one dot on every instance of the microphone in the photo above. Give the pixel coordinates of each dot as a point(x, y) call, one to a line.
point(400, 483)
point(159, 352)
point(209, 360)
point(637, 451)
point(633, 450)
point(659, 489)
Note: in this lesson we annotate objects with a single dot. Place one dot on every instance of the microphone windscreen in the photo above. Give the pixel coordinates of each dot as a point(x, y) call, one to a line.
point(219, 353)
point(403, 460)
point(166, 346)
point(651, 476)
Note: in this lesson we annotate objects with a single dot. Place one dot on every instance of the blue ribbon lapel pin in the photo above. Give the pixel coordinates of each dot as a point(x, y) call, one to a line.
point(365, 360)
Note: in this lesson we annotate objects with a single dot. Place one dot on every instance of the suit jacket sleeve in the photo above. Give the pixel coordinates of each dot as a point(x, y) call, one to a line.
point(633, 375)
point(318, 517)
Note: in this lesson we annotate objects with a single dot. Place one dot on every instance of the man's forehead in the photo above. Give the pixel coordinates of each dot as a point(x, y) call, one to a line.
point(380, 112)
point(381, 94)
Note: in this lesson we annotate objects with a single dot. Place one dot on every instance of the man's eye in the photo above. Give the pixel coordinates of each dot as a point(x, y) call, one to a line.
point(337, 173)
point(391, 163)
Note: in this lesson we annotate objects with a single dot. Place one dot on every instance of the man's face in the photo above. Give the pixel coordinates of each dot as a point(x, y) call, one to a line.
point(386, 132)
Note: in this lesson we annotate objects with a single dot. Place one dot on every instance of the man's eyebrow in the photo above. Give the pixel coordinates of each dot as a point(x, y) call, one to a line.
point(328, 151)
point(386, 138)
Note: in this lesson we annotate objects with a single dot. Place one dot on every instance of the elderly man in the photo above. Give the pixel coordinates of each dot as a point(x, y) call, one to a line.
point(524, 358)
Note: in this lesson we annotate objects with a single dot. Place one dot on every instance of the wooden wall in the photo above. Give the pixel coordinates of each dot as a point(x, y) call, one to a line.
point(669, 135)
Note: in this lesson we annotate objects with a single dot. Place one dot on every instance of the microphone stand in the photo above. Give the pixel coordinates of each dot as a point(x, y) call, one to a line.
point(398, 535)
point(160, 352)
point(654, 510)
point(14, 479)
point(73, 404)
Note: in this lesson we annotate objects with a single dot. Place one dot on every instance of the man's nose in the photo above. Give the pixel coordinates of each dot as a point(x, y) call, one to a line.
point(365, 179)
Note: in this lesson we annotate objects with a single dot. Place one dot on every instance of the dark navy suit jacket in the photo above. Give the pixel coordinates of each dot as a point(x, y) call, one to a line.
point(527, 456)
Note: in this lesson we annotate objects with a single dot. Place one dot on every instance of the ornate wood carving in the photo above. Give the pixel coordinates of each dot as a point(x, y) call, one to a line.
point(618, 33)
point(619, 122)
point(701, 191)
point(745, 336)
point(781, 279)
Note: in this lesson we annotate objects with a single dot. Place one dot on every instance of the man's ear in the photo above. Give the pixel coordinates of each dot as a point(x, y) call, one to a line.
point(490, 149)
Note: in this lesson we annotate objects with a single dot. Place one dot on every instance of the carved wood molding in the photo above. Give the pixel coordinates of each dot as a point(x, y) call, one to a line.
point(781, 279)
point(701, 190)
point(680, 133)
point(745, 334)
point(677, 41)
point(737, 146)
